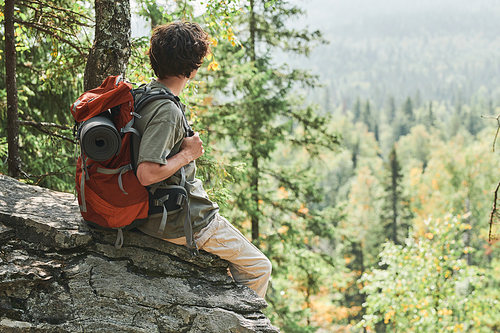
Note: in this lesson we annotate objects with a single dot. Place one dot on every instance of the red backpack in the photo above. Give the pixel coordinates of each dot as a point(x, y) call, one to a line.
point(109, 193)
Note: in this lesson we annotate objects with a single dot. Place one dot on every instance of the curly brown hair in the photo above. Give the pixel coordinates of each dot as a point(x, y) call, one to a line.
point(178, 48)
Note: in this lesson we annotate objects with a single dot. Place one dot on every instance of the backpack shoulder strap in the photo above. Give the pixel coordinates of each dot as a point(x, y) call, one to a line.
point(144, 95)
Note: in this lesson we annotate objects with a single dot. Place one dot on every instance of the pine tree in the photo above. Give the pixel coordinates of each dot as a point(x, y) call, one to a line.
point(394, 212)
point(40, 80)
point(367, 117)
point(431, 116)
point(262, 115)
point(273, 195)
point(400, 126)
point(355, 154)
point(471, 123)
point(408, 111)
point(356, 110)
point(395, 191)
point(353, 294)
point(404, 120)
point(391, 110)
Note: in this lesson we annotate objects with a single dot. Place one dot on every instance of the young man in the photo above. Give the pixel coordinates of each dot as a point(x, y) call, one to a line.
point(166, 155)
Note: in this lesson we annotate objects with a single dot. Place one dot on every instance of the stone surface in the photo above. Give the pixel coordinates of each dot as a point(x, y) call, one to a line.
point(57, 274)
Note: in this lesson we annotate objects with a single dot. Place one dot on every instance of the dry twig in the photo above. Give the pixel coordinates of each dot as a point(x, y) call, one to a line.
point(498, 128)
point(494, 213)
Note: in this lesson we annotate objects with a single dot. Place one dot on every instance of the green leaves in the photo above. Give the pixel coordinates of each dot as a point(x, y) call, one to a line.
point(426, 284)
point(253, 119)
point(138, 69)
point(50, 46)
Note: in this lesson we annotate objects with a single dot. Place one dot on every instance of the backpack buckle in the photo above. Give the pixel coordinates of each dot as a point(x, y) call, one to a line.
point(160, 201)
point(181, 199)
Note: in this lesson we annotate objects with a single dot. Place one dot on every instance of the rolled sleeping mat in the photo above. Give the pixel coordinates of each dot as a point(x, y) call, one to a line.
point(99, 138)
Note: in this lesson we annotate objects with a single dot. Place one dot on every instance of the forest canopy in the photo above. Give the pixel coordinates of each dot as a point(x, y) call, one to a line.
point(358, 152)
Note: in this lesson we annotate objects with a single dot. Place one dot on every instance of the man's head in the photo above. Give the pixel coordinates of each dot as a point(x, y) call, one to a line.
point(177, 49)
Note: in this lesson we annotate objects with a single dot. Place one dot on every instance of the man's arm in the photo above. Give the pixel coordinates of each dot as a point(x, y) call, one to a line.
point(149, 172)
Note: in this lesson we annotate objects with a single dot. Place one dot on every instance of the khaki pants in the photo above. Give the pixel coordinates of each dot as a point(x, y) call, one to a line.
point(248, 265)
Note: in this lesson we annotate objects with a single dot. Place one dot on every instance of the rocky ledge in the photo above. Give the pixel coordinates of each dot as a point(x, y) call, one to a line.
point(59, 275)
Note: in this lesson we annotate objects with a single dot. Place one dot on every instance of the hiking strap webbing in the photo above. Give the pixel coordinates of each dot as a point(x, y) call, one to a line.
point(164, 216)
point(119, 239)
point(129, 129)
point(83, 177)
point(163, 222)
point(162, 200)
point(188, 229)
point(120, 170)
point(183, 201)
point(149, 95)
point(183, 177)
point(154, 187)
point(83, 206)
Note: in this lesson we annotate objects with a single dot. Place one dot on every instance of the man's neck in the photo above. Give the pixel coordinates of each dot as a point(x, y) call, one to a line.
point(174, 83)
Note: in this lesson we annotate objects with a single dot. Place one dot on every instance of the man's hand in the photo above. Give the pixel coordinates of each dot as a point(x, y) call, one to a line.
point(192, 147)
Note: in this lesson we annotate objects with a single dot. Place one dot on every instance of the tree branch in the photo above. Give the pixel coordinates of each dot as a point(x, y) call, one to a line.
point(492, 215)
point(42, 177)
point(498, 128)
point(67, 19)
point(42, 127)
point(46, 29)
point(32, 123)
point(59, 9)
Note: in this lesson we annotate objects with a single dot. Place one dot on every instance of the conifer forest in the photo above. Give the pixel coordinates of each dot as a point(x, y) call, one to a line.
point(354, 142)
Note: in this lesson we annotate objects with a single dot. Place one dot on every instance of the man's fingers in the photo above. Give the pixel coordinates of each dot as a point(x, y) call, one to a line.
point(197, 135)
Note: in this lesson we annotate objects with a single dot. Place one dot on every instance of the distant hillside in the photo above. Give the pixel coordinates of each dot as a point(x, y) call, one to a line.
point(435, 49)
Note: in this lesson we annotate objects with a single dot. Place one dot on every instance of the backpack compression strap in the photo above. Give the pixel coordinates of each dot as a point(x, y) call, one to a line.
point(183, 201)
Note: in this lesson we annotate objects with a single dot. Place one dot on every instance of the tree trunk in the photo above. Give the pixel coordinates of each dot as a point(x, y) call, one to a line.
point(253, 28)
point(394, 166)
point(111, 49)
point(254, 183)
point(394, 211)
point(14, 158)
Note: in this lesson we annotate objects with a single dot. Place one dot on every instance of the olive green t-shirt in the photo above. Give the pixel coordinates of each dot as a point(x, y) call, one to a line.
point(162, 130)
